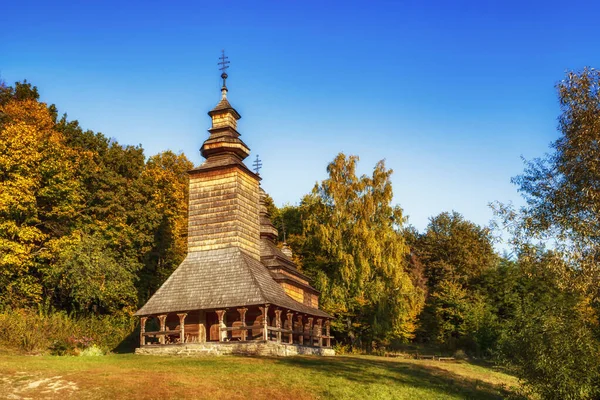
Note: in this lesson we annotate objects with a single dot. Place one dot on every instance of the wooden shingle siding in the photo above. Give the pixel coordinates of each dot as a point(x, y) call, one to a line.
point(294, 292)
point(223, 211)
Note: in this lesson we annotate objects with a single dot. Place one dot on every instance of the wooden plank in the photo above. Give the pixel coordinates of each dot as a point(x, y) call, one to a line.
point(173, 332)
point(282, 330)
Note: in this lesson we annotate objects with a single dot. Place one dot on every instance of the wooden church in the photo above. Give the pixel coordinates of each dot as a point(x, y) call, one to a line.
point(236, 292)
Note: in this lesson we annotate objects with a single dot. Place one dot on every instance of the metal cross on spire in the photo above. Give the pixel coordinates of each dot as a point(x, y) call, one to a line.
point(257, 165)
point(224, 64)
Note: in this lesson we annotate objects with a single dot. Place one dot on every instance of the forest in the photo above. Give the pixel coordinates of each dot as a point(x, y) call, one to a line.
point(90, 228)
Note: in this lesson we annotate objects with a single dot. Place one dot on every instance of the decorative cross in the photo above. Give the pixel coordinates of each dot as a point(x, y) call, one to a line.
point(224, 65)
point(257, 165)
point(224, 61)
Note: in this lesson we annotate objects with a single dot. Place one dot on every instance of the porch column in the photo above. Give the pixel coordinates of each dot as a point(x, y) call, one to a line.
point(291, 326)
point(319, 332)
point(310, 331)
point(201, 326)
point(222, 334)
point(278, 323)
point(328, 339)
point(143, 330)
point(162, 319)
point(242, 312)
point(301, 335)
point(182, 327)
point(265, 310)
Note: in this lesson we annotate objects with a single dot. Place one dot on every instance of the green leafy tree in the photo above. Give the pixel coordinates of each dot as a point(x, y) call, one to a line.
point(549, 341)
point(456, 255)
point(355, 249)
point(454, 249)
point(88, 275)
point(554, 341)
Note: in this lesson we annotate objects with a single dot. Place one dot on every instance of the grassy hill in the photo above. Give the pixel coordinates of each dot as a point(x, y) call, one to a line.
point(128, 376)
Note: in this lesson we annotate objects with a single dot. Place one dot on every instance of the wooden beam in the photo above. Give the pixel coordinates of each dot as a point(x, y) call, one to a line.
point(242, 312)
point(310, 331)
point(201, 326)
point(182, 327)
point(319, 332)
point(328, 339)
point(278, 324)
point(158, 333)
point(275, 329)
point(290, 326)
point(162, 319)
point(301, 336)
point(222, 334)
point(143, 330)
point(265, 314)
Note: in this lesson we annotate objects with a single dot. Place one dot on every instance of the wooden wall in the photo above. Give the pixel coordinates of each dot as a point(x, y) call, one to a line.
point(223, 211)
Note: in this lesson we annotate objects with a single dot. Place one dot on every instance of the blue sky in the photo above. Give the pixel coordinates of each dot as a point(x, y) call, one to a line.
point(451, 94)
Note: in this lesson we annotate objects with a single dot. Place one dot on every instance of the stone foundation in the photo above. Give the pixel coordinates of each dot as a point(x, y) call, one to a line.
point(235, 348)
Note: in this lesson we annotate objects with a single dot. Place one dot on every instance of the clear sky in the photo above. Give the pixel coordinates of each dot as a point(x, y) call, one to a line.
point(450, 93)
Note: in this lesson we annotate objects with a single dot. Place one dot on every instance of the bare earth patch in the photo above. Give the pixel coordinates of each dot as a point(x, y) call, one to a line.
point(22, 385)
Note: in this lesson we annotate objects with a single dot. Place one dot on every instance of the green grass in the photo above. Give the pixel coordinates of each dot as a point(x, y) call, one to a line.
point(127, 376)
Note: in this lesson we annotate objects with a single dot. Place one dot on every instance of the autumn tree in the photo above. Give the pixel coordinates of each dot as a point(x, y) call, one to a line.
point(39, 194)
point(355, 249)
point(556, 337)
point(86, 224)
point(165, 183)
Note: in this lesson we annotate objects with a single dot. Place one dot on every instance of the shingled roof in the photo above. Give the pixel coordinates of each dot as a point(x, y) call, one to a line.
point(222, 106)
point(220, 278)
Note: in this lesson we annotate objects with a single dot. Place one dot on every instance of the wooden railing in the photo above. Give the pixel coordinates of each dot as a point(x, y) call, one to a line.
point(312, 338)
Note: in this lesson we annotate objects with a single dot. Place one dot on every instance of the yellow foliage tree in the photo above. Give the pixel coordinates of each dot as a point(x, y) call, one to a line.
point(355, 249)
point(37, 195)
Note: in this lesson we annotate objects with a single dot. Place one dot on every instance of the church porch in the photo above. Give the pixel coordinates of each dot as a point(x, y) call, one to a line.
point(240, 325)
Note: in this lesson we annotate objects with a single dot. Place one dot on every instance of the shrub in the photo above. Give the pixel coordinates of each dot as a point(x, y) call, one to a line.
point(92, 351)
point(341, 348)
point(460, 355)
point(58, 333)
point(553, 350)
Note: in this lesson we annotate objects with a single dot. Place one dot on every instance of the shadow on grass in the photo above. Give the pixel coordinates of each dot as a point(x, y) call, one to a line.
point(130, 343)
point(369, 371)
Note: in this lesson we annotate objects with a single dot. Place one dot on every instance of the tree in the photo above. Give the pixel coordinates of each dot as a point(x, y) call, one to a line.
point(88, 275)
point(39, 194)
point(456, 254)
point(549, 341)
point(454, 249)
point(554, 341)
point(355, 249)
point(164, 182)
point(73, 200)
point(562, 189)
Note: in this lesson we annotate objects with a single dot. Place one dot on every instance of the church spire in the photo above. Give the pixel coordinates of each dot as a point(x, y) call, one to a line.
point(224, 138)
